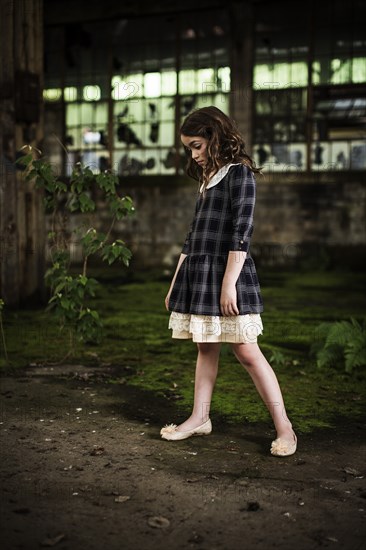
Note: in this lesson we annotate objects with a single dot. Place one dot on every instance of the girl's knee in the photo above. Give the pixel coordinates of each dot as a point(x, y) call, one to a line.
point(247, 354)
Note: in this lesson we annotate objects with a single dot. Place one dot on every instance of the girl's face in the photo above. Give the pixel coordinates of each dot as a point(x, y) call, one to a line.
point(198, 146)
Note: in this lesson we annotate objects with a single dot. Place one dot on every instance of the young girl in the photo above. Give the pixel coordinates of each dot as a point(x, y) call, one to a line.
point(215, 295)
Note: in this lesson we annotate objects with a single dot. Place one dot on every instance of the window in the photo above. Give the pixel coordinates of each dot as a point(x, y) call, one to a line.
point(118, 99)
point(319, 124)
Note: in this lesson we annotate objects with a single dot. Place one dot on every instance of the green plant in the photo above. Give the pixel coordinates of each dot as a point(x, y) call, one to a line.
point(340, 342)
point(70, 294)
point(277, 359)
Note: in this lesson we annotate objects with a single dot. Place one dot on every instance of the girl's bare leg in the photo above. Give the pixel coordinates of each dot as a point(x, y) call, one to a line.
point(205, 378)
point(265, 380)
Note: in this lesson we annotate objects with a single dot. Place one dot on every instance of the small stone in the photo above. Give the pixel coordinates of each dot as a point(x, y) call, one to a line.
point(351, 471)
point(122, 498)
point(158, 522)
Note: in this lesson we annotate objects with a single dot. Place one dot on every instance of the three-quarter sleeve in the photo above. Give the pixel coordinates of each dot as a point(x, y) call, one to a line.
point(242, 196)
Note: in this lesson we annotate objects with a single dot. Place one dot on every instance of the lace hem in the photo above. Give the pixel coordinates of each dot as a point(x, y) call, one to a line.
point(204, 328)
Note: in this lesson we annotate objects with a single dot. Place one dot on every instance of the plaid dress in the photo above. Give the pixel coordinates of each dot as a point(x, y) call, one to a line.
point(223, 222)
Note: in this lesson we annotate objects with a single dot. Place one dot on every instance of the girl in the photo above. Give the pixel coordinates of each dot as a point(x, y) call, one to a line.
point(214, 296)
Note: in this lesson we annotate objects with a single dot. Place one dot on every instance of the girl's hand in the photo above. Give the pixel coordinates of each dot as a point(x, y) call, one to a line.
point(228, 300)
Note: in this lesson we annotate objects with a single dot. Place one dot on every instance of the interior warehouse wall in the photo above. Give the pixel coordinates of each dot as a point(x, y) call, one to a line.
point(300, 220)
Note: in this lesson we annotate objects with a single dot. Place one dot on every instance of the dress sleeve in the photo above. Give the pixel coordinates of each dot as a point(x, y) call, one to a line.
point(242, 187)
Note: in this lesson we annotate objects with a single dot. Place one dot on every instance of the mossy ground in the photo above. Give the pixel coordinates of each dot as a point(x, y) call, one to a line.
point(137, 342)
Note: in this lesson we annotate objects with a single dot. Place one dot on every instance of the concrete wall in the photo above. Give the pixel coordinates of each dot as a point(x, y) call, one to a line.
point(299, 219)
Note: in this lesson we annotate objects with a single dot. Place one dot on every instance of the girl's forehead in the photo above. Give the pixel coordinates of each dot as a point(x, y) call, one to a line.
point(189, 140)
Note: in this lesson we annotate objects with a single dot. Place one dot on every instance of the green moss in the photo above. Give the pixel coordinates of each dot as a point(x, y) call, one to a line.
point(137, 336)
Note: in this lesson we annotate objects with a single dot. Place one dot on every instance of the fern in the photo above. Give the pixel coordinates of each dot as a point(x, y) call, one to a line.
point(340, 342)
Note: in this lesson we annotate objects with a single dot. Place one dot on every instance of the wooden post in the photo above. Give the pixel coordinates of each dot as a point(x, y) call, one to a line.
point(241, 68)
point(9, 255)
point(177, 120)
point(310, 88)
point(22, 220)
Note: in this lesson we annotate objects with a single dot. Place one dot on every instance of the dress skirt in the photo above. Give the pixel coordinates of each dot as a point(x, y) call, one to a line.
point(234, 329)
point(223, 223)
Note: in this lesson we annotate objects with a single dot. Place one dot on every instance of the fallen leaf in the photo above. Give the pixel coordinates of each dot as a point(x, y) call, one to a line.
point(159, 522)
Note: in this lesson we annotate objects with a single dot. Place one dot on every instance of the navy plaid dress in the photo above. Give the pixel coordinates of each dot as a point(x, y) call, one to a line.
point(223, 222)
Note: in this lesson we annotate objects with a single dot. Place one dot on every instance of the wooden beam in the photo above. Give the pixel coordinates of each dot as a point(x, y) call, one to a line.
point(72, 11)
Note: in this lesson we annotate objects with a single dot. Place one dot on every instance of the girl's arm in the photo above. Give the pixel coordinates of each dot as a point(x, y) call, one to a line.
point(234, 266)
point(180, 261)
point(242, 199)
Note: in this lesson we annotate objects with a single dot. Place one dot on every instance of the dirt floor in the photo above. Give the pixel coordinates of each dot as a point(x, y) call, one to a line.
point(83, 466)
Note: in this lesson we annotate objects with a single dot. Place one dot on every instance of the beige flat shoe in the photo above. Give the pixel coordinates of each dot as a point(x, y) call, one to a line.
point(170, 432)
point(281, 447)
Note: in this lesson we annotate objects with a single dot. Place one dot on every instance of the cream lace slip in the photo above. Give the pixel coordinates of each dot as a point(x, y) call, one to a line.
point(235, 329)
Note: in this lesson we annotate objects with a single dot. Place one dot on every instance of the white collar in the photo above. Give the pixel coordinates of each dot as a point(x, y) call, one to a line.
point(216, 178)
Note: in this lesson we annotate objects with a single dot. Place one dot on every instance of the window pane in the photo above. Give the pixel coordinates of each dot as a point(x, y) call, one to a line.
point(341, 71)
point(152, 85)
point(223, 74)
point(187, 82)
point(73, 115)
point(359, 69)
point(52, 94)
point(91, 93)
point(130, 87)
point(168, 83)
point(70, 94)
point(131, 111)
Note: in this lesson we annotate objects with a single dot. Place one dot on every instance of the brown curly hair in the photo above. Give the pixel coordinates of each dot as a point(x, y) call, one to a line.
point(225, 144)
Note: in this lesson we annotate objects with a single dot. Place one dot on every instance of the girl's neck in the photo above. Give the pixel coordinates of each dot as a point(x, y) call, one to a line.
point(213, 173)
